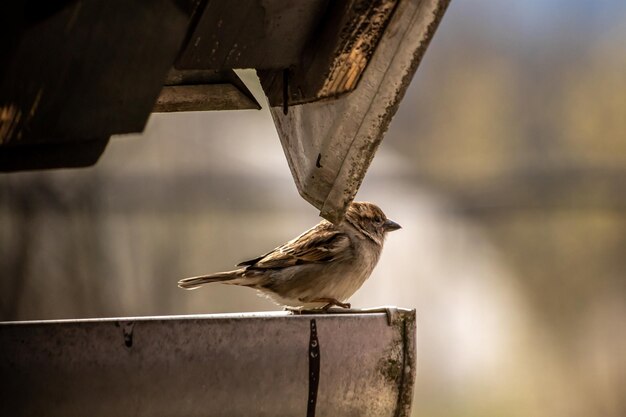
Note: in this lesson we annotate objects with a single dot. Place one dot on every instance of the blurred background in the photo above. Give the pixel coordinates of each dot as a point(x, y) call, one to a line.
point(505, 164)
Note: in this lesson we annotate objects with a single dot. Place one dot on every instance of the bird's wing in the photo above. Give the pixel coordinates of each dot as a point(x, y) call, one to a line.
point(320, 244)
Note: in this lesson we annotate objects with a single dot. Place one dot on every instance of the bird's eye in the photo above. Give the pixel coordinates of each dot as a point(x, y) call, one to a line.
point(379, 220)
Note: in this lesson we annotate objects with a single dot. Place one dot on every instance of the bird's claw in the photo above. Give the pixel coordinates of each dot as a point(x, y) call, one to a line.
point(336, 303)
point(330, 303)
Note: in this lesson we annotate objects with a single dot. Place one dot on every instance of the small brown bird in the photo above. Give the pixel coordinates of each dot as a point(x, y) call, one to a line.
point(320, 268)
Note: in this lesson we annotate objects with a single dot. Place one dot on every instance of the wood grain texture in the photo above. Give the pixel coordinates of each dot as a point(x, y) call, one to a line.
point(336, 56)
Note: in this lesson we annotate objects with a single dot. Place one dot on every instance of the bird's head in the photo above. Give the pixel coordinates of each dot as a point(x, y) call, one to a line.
point(370, 220)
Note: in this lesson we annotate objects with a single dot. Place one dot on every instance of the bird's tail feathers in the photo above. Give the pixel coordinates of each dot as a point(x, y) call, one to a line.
point(192, 283)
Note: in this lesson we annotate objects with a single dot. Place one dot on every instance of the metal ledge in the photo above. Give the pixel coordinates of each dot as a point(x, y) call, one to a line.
point(256, 364)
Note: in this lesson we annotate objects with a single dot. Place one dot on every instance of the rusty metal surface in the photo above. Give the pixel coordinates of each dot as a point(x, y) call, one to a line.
point(329, 144)
point(258, 364)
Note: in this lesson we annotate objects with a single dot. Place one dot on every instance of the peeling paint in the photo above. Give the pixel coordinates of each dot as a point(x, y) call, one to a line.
point(359, 41)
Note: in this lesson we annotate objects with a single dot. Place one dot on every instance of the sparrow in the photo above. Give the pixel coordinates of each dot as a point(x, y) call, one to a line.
point(319, 269)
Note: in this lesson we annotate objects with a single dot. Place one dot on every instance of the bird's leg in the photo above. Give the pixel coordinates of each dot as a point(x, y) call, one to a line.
point(330, 302)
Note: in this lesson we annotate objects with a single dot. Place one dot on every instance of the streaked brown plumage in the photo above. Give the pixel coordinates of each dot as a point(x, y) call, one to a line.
point(322, 267)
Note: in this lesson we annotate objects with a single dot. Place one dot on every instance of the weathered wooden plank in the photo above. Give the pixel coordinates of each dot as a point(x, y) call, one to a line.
point(203, 90)
point(203, 97)
point(87, 70)
point(257, 34)
point(336, 56)
point(73, 73)
point(51, 155)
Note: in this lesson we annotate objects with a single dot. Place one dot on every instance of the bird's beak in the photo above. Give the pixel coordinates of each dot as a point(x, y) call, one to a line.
point(390, 226)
